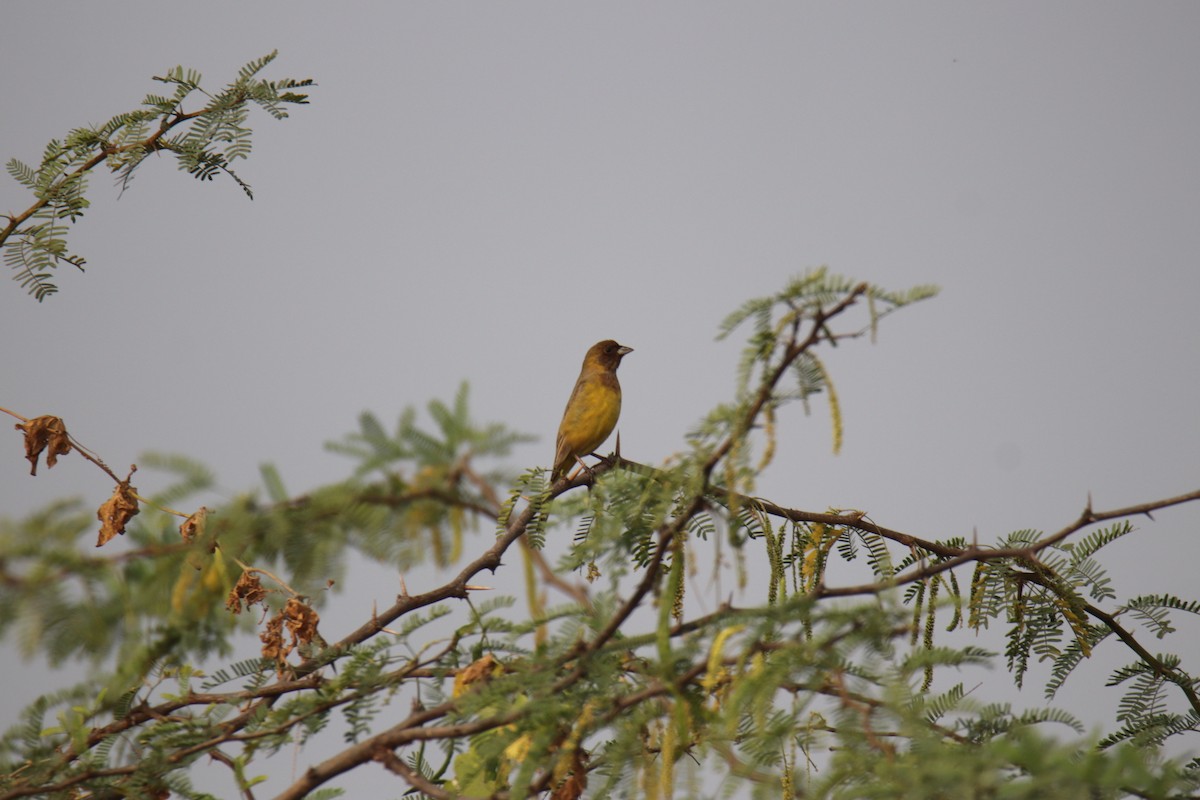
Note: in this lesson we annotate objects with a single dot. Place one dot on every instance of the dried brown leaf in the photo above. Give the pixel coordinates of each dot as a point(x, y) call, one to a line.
point(193, 526)
point(116, 512)
point(480, 670)
point(248, 590)
point(42, 433)
point(572, 788)
point(301, 620)
point(272, 639)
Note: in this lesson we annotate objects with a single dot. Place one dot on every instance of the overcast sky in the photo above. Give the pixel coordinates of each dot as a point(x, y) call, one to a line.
point(481, 191)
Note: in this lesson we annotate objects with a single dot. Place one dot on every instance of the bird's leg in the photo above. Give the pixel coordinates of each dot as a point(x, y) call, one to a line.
point(584, 467)
point(606, 460)
point(614, 457)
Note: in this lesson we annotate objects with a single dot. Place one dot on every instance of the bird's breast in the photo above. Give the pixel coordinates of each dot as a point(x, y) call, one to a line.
point(592, 415)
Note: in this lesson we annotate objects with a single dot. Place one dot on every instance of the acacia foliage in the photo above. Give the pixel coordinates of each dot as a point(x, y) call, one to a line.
point(621, 686)
point(206, 139)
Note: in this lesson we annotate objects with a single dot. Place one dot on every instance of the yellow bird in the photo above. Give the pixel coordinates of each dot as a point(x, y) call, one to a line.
point(594, 406)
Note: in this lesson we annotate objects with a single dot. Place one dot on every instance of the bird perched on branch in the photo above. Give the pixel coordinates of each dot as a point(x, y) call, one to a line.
point(594, 406)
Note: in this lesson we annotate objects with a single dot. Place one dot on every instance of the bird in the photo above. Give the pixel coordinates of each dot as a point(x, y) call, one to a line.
point(593, 408)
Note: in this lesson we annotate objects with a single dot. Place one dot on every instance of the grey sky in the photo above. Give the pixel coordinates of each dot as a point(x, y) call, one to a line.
point(481, 191)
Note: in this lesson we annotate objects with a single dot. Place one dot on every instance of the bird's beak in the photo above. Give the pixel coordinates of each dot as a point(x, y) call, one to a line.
point(624, 351)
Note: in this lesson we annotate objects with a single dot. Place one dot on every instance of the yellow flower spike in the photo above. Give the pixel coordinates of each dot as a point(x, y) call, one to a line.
point(518, 748)
point(715, 674)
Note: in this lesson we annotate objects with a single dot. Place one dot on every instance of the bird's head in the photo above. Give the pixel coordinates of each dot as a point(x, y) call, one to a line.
point(607, 354)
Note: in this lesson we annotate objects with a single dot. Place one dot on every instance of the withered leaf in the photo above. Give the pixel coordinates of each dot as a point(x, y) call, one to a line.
point(116, 512)
point(272, 639)
point(248, 590)
point(193, 526)
point(42, 433)
point(572, 788)
point(301, 620)
point(480, 670)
